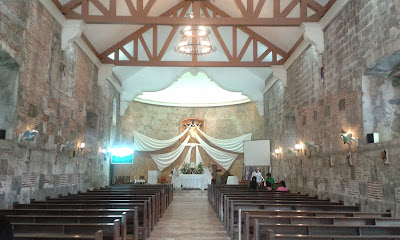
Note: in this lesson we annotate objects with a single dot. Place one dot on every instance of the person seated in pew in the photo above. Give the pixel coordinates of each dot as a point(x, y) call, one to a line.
point(6, 232)
point(282, 188)
point(253, 184)
point(271, 180)
point(268, 186)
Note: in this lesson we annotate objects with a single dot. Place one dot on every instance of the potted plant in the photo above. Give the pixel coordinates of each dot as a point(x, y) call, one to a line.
point(200, 168)
point(185, 168)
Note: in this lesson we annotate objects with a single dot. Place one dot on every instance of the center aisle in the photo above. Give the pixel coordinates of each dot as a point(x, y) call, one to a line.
point(190, 216)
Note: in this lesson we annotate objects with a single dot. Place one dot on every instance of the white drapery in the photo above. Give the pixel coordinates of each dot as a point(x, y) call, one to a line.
point(222, 158)
point(198, 157)
point(232, 144)
point(145, 144)
point(164, 160)
point(187, 157)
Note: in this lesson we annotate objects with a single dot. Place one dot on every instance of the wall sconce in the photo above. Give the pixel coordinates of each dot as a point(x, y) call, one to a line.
point(347, 138)
point(82, 147)
point(277, 152)
point(299, 147)
point(28, 136)
point(104, 153)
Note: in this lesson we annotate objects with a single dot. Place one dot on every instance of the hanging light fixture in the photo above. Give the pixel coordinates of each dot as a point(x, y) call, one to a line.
point(195, 41)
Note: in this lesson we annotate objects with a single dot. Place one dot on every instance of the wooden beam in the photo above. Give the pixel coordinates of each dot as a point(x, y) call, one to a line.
point(174, 21)
point(100, 6)
point(126, 54)
point(259, 7)
point(85, 7)
point(277, 8)
point(244, 49)
point(188, 63)
point(289, 8)
point(146, 48)
point(241, 7)
point(167, 42)
point(139, 6)
point(155, 37)
point(131, 8)
point(113, 7)
point(250, 8)
point(148, 7)
point(262, 56)
point(90, 45)
point(234, 43)
point(71, 5)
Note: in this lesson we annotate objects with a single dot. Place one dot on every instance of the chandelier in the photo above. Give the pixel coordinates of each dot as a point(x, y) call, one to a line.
point(195, 41)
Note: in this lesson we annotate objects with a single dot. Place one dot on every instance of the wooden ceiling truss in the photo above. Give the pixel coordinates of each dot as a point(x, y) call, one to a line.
point(177, 16)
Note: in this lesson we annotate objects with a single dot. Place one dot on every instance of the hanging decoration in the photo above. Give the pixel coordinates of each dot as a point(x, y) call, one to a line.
point(222, 158)
point(232, 145)
point(164, 160)
point(145, 144)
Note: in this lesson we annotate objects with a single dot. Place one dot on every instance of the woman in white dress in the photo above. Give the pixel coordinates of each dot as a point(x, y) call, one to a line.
point(176, 181)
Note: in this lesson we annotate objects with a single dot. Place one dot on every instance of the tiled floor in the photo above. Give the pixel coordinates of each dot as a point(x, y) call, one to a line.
point(190, 216)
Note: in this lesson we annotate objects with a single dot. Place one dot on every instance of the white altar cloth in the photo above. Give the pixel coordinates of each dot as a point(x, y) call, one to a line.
point(193, 181)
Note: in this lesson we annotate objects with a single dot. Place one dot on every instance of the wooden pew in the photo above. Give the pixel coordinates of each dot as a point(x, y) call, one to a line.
point(235, 206)
point(318, 231)
point(348, 221)
point(48, 236)
point(84, 215)
point(36, 230)
point(243, 221)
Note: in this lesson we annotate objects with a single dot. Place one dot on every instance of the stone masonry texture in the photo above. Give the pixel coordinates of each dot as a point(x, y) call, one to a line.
point(56, 90)
point(312, 110)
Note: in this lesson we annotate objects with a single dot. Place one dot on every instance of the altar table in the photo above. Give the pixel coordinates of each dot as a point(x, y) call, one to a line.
point(193, 181)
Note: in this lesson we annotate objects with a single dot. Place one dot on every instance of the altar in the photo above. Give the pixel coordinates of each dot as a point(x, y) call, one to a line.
point(194, 181)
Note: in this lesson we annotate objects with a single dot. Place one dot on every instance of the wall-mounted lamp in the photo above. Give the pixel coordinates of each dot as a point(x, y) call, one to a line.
point(299, 147)
point(28, 136)
point(347, 138)
point(277, 152)
point(82, 147)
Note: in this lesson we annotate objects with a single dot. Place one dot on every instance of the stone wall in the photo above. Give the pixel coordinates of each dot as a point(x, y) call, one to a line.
point(362, 33)
point(164, 122)
point(56, 89)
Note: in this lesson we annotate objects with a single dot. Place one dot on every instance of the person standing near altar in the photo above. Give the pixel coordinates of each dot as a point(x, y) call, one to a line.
point(258, 175)
point(176, 181)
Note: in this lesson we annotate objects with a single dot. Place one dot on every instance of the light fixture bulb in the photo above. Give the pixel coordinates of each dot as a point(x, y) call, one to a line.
point(82, 145)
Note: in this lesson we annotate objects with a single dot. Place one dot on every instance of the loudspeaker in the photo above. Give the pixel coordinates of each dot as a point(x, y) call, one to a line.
point(372, 137)
point(2, 134)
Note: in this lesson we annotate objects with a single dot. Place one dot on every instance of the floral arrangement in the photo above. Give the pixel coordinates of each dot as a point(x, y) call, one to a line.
point(186, 169)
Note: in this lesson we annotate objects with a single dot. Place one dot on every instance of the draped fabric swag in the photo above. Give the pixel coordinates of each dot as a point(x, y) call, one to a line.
point(198, 157)
point(224, 159)
point(146, 144)
point(164, 160)
point(232, 144)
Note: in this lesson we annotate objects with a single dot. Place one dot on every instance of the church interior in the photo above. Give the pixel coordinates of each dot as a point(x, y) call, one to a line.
point(147, 119)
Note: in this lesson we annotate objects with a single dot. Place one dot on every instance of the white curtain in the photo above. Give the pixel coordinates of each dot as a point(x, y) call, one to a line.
point(164, 160)
point(144, 143)
point(232, 144)
point(198, 157)
point(222, 158)
point(187, 157)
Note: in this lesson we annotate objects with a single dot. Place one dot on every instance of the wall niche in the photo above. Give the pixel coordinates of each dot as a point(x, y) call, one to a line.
point(9, 75)
point(381, 98)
